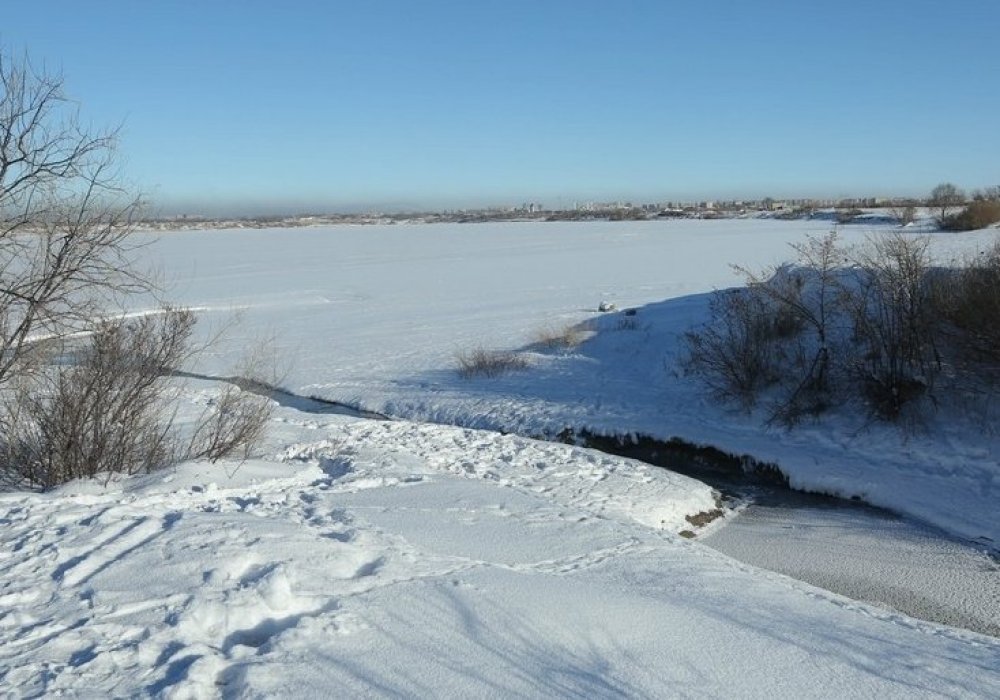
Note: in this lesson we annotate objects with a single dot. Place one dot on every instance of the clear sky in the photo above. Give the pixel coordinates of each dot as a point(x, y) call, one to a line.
point(319, 105)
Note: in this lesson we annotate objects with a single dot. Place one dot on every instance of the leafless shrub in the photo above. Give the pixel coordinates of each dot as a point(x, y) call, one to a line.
point(104, 411)
point(837, 324)
point(904, 214)
point(106, 406)
point(877, 322)
point(559, 337)
point(733, 352)
point(890, 307)
point(968, 299)
point(978, 214)
point(235, 425)
point(848, 216)
point(237, 418)
point(488, 363)
point(802, 298)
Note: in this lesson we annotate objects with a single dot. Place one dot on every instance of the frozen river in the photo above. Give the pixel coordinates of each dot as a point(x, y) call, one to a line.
point(373, 317)
point(869, 555)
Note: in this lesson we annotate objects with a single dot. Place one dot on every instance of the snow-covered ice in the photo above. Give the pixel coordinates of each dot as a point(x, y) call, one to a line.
point(371, 558)
point(374, 315)
point(867, 554)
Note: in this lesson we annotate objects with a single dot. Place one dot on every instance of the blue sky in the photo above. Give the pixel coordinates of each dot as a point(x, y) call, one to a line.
point(311, 105)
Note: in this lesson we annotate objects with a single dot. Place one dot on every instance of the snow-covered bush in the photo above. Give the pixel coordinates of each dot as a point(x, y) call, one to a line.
point(733, 353)
point(895, 357)
point(559, 337)
point(107, 408)
point(876, 322)
point(488, 363)
point(979, 213)
point(969, 300)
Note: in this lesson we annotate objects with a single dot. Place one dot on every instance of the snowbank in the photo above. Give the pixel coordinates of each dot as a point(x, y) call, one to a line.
point(388, 559)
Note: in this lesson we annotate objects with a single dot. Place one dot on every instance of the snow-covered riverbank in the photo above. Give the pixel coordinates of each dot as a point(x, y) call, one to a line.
point(359, 557)
point(373, 558)
point(373, 316)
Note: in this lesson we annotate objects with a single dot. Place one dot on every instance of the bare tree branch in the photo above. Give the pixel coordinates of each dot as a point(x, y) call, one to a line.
point(65, 214)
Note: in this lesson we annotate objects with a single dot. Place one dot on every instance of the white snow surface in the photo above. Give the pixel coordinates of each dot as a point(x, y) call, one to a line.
point(388, 559)
point(374, 316)
point(365, 558)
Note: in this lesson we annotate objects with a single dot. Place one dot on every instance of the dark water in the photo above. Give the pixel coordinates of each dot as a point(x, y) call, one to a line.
point(283, 397)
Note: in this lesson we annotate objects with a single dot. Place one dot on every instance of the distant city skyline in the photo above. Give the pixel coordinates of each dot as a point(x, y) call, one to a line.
point(282, 208)
point(251, 107)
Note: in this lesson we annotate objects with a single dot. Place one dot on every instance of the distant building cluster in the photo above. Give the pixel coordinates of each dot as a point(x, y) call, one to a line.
point(536, 211)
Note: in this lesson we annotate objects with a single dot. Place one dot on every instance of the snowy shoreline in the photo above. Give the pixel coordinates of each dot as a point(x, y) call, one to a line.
point(387, 558)
point(395, 558)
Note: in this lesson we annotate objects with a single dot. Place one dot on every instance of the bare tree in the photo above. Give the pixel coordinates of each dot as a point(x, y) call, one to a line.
point(803, 297)
point(65, 214)
point(987, 194)
point(83, 393)
point(944, 197)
